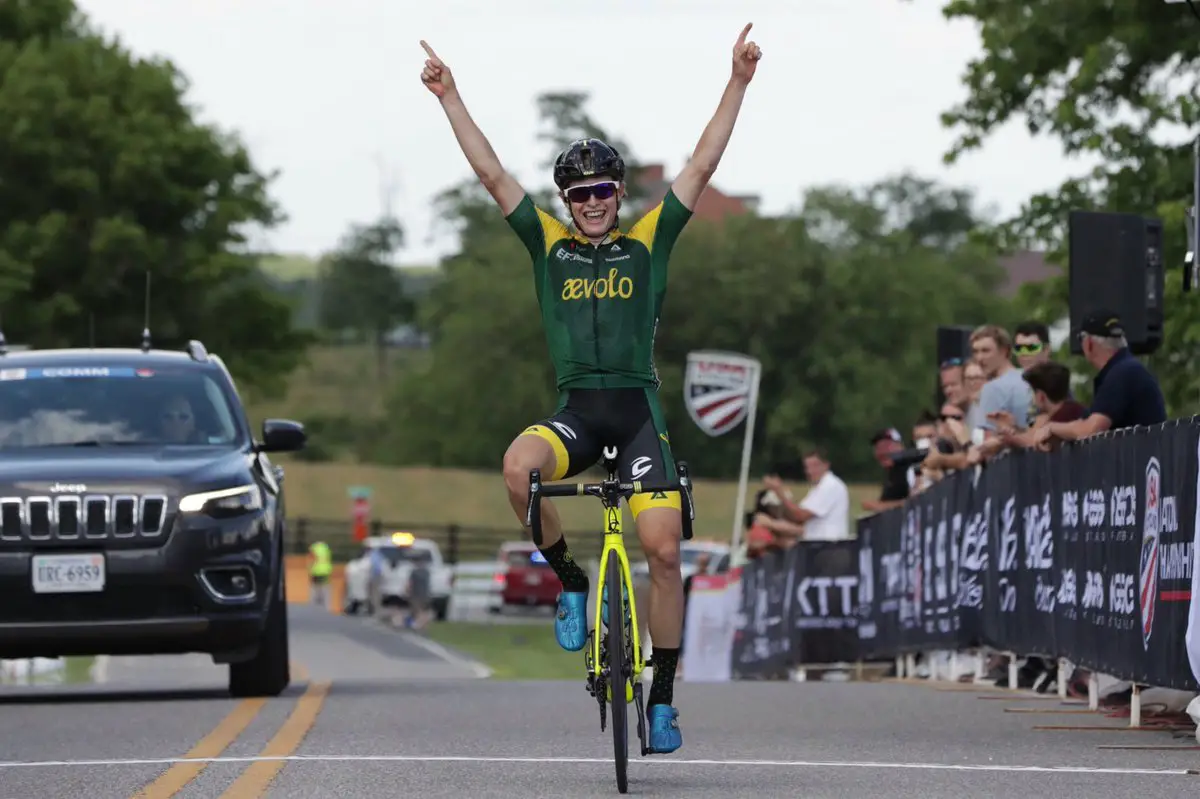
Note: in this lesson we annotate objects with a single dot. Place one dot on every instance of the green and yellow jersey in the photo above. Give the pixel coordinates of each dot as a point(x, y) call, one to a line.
point(601, 303)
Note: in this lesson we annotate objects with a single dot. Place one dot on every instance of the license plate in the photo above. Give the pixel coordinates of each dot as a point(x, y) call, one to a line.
point(68, 574)
point(533, 579)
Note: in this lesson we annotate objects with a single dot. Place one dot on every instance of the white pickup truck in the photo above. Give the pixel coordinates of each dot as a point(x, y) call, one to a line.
point(689, 553)
point(378, 577)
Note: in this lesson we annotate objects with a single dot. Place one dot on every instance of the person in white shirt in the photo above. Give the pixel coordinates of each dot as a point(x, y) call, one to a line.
point(825, 510)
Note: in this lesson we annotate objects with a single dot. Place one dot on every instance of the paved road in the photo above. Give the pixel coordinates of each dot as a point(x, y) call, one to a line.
point(375, 715)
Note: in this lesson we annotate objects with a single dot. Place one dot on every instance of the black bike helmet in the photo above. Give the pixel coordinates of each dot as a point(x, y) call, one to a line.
point(586, 158)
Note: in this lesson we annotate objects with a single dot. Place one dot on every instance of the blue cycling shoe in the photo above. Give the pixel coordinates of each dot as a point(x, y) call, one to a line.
point(604, 604)
point(664, 729)
point(570, 620)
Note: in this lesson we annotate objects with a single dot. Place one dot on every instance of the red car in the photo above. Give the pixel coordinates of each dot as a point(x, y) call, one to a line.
point(525, 578)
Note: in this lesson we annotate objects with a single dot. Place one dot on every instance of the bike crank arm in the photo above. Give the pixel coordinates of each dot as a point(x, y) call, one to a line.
point(641, 720)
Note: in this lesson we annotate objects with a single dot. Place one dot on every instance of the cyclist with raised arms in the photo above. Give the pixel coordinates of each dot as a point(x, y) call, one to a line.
point(600, 293)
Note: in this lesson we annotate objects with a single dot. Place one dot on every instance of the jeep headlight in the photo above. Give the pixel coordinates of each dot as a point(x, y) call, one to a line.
point(224, 502)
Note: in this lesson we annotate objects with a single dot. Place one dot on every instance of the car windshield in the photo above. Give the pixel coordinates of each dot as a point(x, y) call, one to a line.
point(394, 555)
point(523, 558)
point(690, 556)
point(114, 405)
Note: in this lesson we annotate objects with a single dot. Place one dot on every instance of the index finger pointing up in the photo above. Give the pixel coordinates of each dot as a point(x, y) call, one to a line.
point(433, 55)
point(741, 39)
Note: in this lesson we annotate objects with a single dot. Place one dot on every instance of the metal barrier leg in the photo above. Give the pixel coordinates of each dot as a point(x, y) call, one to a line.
point(1012, 671)
point(900, 674)
point(1064, 674)
point(1093, 691)
point(910, 665)
point(1135, 707)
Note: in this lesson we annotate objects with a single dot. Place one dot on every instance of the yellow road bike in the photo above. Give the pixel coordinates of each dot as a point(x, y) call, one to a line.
point(614, 659)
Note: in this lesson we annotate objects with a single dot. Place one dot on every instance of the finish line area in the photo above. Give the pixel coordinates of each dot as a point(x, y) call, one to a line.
point(383, 718)
point(492, 776)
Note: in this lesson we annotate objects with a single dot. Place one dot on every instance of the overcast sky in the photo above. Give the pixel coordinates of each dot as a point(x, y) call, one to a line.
point(327, 91)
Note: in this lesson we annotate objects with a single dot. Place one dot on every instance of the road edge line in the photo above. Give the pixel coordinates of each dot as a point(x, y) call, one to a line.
point(481, 670)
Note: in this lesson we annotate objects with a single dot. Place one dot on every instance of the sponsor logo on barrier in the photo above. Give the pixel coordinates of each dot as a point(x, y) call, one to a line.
point(1093, 508)
point(1067, 589)
point(1148, 573)
point(823, 614)
point(1070, 510)
point(1093, 591)
point(1120, 594)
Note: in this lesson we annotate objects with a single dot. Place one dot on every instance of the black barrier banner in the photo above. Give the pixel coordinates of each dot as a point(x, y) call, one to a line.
point(762, 632)
point(824, 601)
point(881, 586)
point(931, 518)
point(972, 537)
point(1086, 553)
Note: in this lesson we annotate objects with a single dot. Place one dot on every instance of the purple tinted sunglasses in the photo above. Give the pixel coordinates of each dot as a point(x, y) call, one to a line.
point(601, 191)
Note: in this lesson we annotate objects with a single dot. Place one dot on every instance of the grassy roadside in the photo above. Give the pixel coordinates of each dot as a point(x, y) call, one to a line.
point(478, 499)
point(512, 651)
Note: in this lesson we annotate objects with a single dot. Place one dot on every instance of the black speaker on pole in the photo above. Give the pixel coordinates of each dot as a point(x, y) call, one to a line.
point(953, 341)
point(1116, 262)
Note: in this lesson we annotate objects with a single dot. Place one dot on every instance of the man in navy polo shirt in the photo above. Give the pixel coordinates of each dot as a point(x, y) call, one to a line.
point(1125, 393)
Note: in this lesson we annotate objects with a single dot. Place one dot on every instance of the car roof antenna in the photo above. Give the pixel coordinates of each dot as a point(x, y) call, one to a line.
point(3, 343)
point(146, 329)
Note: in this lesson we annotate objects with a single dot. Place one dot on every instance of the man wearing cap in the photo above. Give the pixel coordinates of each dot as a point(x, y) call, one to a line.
point(887, 443)
point(1125, 393)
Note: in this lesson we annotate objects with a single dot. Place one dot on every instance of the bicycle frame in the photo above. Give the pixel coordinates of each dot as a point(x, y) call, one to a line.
point(610, 491)
point(611, 687)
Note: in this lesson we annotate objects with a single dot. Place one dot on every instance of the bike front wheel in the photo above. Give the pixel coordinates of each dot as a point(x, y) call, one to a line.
point(618, 672)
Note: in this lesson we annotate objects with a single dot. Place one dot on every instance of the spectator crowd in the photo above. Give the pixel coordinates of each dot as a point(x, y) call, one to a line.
point(1008, 393)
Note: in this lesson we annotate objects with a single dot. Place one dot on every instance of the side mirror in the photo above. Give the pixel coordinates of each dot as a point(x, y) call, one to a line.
point(282, 435)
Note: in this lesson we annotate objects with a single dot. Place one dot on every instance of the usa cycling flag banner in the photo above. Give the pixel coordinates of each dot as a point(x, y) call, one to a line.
point(720, 390)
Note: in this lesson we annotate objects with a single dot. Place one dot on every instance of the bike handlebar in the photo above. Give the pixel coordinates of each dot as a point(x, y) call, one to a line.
point(610, 490)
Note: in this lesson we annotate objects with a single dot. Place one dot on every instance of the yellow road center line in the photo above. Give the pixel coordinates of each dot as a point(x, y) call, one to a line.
point(257, 777)
point(176, 778)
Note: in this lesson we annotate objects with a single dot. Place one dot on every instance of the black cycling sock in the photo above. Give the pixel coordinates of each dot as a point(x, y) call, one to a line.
point(573, 578)
point(662, 689)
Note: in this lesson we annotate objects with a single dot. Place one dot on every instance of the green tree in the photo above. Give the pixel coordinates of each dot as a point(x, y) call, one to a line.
point(839, 303)
point(361, 288)
point(1115, 83)
point(108, 178)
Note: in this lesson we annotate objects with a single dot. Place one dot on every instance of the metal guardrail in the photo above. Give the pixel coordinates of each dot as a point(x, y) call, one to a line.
point(459, 544)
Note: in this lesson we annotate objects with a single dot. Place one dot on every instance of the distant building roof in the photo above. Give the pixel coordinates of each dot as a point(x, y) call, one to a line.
point(714, 204)
point(1025, 266)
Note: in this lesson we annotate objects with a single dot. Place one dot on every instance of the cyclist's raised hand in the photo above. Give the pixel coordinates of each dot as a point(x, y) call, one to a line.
point(436, 75)
point(745, 56)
